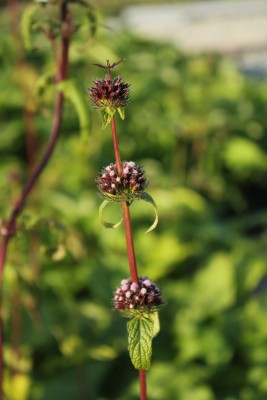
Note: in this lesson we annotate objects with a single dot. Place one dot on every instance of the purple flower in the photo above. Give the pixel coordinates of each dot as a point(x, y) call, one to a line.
point(109, 93)
point(137, 296)
point(125, 187)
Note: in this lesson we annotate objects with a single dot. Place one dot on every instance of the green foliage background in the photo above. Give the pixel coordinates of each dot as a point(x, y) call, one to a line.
point(198, 126)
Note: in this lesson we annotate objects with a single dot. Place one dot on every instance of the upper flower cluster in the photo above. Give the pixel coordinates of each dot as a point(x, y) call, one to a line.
point(142, 296)
point(109, 93)
point(128, 185)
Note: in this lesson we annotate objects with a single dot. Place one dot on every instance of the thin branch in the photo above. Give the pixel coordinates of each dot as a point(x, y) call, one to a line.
point(10, 227)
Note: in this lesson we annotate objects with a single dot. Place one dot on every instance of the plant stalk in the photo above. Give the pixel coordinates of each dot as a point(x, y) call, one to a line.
point(10, 226)
point(142, 381)
point(116, 145)
point(129, 242)
point(125, 210)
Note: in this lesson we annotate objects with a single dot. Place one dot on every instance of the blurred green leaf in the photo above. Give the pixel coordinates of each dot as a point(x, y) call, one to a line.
point(73, 94)
point(26, 25)
point(244, 157)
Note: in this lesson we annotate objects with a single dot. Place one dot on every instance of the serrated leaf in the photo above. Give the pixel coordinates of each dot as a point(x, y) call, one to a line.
point(146, 197)
point(26, 25)
point(105, 223)
point(73, 94)
point(140, 335)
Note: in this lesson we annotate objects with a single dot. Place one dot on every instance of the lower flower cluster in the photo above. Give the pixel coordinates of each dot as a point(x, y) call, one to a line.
point(143, 296)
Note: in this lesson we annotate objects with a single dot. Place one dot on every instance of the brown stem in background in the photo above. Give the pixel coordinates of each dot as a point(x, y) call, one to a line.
point(10, 227)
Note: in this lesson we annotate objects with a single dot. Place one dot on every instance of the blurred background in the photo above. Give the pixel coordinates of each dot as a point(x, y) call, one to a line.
point(197, 123)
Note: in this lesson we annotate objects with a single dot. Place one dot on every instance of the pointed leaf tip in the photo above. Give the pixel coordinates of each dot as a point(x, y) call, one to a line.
point(146, 197)
point(121, 112)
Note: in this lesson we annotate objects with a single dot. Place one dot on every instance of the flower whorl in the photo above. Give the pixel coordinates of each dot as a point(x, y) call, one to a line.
point(110, 93)
point(127, 186)
point(143, 296)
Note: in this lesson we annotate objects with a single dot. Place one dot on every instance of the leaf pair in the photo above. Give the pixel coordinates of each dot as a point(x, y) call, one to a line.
point(108, 112)
point(146, 197)
point(28, 23)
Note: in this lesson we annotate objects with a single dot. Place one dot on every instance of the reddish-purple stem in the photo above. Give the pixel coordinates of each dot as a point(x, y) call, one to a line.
point(125, 210)
point(142, 381)
point(116, 145)
point(129, 242)
point(10, 226)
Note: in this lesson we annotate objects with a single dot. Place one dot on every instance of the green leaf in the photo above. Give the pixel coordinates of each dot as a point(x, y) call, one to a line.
point(156, 325)
point(43, 82)
point(121, 111)
point(106, 114)
point(140, 335)
point(92, 20)
point(244, 157)
point(146, 197)
point(105, 118)
point(73, 94)
point(26, 25)
point(104, 223)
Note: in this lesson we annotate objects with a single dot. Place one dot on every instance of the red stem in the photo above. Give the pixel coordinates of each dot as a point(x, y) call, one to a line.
point(116, 145)
point(9, 229)
point(129, 242)
point(142, 381)
point(125, 210)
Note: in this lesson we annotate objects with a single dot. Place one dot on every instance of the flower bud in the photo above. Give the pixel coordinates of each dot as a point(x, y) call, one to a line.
point(128, 186)
point(109, 93)
point(139, 297)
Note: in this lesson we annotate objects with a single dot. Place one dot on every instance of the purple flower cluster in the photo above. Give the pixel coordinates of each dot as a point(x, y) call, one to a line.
point(110, 93)
point(128, 185)
point(142, 296)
